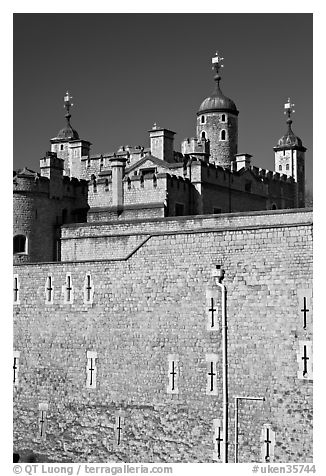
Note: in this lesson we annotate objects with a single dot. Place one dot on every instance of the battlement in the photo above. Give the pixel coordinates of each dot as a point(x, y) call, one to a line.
point(151, 188)
point(28, 181)
point(195, 146)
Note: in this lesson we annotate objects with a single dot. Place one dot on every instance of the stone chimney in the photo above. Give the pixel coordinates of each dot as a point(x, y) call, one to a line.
point(161, 143)
point(118, 165)
point(242, 161)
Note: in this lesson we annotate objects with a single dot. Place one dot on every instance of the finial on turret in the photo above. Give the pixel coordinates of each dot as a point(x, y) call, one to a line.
point(217, 64)
point(67, 104)
point(288, 110)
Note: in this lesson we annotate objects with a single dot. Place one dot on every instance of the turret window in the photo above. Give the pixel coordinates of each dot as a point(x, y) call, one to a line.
point(20, 244)
point(203, 120)
point(223, 134)
point(203, 135)
point(223, 118)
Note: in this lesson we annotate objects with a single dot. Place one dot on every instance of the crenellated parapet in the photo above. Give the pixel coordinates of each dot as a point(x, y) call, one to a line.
point(197, 147)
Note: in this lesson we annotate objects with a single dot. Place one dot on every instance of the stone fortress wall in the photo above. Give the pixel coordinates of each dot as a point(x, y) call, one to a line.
point(130, 316)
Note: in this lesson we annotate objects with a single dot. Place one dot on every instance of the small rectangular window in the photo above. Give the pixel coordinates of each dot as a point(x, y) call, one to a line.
point(173, 374)
point(179, 209)
point(16, 290)
point(67, 290)
point(49, 290)
point(88, 289)
point(91, 369)
point(267, 444)
point(42, 421)
point(16, 367)
point(211, 374)
point(118, 430)
point(304, 359)
point(217, 440)
point(248, 186)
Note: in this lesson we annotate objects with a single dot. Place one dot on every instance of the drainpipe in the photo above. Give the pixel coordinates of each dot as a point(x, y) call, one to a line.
point(236, 432)
point(218, 273)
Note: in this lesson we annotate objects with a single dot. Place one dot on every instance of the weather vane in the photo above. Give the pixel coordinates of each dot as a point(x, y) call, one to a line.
point(217, 62)
point(288, 108)
point(67, 104)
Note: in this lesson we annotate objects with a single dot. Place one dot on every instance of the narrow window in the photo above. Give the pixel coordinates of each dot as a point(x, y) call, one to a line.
point(49, 290)
point(61, 147)
point(119, 424)
point(106, 184)
point(280, 168)
point(16, 367)
point(16, 289)
point(88, 289)
point(211, 374)
point(203, 135)
point(268, 442)
point(173, 374)
point(202, 119)
point(223, 134)
point(304, 359)
point(223, 118)
point(217, 440)
point(304, 306)
point(43, 409)
point(212, 309)
point(91, 369)
point(20, 244)
point(287, 167)
point(68, 291)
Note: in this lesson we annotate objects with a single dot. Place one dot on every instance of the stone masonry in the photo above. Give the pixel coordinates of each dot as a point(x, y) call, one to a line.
point(148, 304)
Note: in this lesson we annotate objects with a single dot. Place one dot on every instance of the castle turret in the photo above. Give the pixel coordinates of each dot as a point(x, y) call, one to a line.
point(68, 146)
point(217, 121)
point(290, 156)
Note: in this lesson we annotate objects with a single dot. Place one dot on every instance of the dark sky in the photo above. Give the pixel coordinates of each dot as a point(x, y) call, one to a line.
point(127, 71)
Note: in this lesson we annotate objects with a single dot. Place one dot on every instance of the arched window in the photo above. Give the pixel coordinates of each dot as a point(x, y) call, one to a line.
point(20, 244)
point(280, 168)
point(223, 134)
point(223, 118)
point(203, 135)
point(287, 167)
point(274, 207)
point(202, 119)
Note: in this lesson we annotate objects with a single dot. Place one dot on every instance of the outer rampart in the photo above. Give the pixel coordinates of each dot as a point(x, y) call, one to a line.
point(151, 305)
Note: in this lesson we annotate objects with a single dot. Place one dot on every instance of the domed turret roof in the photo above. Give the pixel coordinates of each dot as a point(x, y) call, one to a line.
point(289, 140)
point(68, 133)
point(218, 102)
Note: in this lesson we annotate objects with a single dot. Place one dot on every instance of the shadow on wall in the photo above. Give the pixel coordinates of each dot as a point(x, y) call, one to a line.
point(29, 457)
